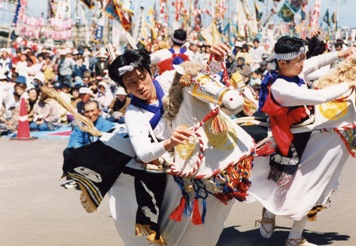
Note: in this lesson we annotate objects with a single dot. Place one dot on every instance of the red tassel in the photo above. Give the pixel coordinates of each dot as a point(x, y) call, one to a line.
point(177, 213)
point(196, 218)
point(265, 150)
point(224, 197)
point(240, 196)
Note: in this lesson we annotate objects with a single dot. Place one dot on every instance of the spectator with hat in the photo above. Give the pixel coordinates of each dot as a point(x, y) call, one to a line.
point(245, 54)
point(65, 66)
point(165, 58)
point(5, 62)
point(101, 65)
point(38, 80)
point(104, 96)
point(118, 106)
point(85, 95)
point(79, 68)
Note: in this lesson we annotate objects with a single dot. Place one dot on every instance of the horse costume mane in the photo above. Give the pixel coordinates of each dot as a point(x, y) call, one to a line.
point(172, 102)
point(345, 71)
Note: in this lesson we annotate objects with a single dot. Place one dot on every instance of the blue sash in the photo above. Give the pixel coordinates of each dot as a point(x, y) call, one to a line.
point(157, 110)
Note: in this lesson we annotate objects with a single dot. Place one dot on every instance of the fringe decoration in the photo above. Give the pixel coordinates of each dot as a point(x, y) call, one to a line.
point(312, 215)
point(218, 125)
point(204, 211)
point(178, 212)
point(196, 218)
point(249, 107)
point(142, 230)
point(223, 197)
point(86, 202)
point(158, 242)
point(145, 231)
point(186, 80)
point(278, 176)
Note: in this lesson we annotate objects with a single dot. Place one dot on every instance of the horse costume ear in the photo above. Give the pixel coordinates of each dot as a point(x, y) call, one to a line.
point(179, 69)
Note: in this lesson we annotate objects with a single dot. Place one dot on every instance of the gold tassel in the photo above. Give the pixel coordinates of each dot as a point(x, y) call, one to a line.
point(157, 242)
point(218, 125)
point(142, 230)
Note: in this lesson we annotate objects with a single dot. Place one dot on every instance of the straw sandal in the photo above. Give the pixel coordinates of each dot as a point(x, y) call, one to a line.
point(298, 242)
point(267, 225)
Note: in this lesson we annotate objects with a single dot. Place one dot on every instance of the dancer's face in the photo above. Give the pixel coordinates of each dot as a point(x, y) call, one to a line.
point(139, 83)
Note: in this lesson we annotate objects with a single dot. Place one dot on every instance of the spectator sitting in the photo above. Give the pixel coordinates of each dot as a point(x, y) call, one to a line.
point(243, 69)
point(255, 79)
point(118, 106)
point(46, 115)
point(30, 103)
point(75, 96)
point(85, 95)
point(79, 138)
point(104, 96)
point(65, 97)
point(38, 80)
point(263, 68)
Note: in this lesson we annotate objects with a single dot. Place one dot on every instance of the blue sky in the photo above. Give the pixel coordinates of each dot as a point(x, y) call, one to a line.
point(346, 9)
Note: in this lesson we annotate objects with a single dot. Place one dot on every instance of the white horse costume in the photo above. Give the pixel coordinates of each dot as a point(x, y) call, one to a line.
point(204, 167)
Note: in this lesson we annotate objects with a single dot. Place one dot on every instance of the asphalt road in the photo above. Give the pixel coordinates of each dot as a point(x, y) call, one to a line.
point(35, 210)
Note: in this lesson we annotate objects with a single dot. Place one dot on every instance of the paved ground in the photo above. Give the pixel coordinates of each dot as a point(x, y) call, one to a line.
point(36, 211)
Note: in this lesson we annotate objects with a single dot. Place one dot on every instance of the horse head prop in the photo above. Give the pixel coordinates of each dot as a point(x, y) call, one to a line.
point(217, 159)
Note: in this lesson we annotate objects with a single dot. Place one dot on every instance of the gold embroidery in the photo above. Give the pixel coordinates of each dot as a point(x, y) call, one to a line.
point(333, 110)
point(225, 141)
point(186, 150)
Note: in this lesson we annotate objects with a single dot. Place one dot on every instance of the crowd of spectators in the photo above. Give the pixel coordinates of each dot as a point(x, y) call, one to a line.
point(81, 74)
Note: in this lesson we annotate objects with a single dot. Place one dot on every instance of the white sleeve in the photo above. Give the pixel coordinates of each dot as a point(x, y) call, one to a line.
point(317, 62)
point(290, 94)
point(166, 79)
point(136, 124)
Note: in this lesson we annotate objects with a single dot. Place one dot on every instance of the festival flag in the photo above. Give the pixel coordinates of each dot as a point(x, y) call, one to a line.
point(326, 17)
point(121, 12)
point(315, 16)
point(295, 5)
point(334, 18)
point(286, 13)
point(257, 11)
point(242, 20)
point(211, 34)
point(51, 9)
point(89, 3)
point(100, 22)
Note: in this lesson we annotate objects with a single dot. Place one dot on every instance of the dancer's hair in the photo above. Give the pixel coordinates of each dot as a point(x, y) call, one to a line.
point(140, 58)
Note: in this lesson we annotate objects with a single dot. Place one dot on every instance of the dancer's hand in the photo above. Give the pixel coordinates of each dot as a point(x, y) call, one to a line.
point(180, 136)
point(347, 52)
point(219, 51)
point(352, 84)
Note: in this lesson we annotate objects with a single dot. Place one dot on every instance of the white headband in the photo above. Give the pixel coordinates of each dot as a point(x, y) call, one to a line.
point(127, 68)
point(178, 41)
point(291, 55)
